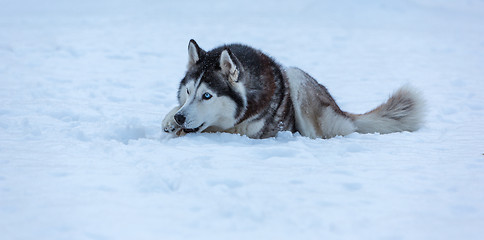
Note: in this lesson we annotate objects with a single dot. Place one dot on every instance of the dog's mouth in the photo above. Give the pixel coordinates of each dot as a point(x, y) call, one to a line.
point(192, 130)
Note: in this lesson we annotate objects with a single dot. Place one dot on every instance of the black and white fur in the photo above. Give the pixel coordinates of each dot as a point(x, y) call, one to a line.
point(238, 89)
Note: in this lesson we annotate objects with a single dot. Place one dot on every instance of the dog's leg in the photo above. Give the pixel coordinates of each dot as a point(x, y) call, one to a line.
point(316, 113)
point(169, 125)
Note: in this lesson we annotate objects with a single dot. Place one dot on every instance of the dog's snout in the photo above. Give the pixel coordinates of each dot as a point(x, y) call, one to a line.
point(180, 118)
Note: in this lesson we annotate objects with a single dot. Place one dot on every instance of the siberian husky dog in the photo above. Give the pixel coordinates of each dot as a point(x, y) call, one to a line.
point(238, 89)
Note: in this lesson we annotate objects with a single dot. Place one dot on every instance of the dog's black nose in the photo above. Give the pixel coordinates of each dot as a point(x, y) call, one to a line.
point(180, 119)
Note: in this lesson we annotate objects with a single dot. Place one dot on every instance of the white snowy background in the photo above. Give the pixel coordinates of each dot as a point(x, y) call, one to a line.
point(84, 86)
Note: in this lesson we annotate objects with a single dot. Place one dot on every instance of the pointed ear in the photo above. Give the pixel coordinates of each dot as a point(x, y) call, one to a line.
point(194, 53)
point(228, 65)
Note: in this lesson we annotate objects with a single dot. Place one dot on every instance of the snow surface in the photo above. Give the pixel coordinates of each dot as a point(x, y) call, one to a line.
point(85, 85)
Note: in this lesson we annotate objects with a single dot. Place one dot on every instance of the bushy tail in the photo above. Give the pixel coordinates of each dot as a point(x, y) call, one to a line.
point(403, 111)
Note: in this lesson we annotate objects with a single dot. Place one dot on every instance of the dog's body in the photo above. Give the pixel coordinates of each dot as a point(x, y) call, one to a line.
point(238, 89)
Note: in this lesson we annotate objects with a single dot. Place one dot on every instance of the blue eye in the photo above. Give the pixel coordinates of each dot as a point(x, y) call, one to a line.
point(206, 96)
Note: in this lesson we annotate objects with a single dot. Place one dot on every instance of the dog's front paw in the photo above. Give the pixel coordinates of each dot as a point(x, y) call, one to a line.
point(169, 125)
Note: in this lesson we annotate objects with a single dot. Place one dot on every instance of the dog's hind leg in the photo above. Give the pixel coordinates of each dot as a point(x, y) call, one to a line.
point(316, 113)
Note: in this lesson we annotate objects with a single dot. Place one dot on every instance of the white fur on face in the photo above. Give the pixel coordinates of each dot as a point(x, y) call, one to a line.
point(189, 87)
point(218, 111)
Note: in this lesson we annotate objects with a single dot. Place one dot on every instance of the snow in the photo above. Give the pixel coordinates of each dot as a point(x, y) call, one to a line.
point(85, 85)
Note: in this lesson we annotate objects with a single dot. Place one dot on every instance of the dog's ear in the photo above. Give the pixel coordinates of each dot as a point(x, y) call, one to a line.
point(195, 53)
point(228, 64)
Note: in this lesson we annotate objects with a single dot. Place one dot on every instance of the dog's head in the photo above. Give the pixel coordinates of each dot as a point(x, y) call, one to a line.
point(211, 93)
